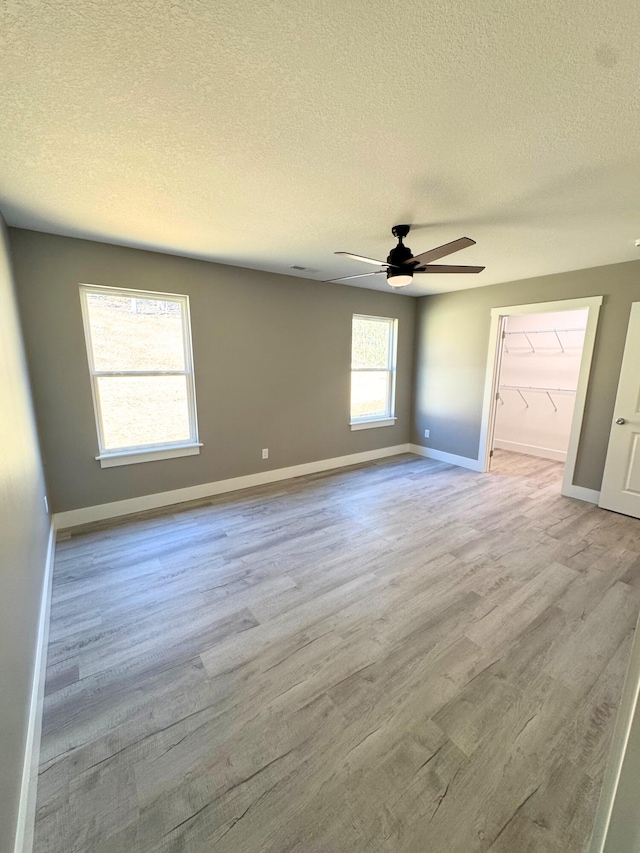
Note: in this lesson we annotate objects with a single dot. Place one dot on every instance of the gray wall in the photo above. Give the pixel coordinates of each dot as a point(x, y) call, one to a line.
point(452, 333)
point(271, 356)
point(24, 530)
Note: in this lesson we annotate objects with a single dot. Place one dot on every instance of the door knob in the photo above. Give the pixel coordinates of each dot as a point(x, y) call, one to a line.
point(621, 421)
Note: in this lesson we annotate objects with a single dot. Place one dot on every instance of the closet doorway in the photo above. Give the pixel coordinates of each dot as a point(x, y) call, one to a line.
point(537, 377)
point(539, 372)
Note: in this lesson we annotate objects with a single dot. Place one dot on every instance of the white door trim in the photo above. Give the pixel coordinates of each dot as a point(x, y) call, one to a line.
point(592, 303)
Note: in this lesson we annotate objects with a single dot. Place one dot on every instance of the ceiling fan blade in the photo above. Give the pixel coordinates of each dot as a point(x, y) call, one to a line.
point(360, 275)
point(441, 251)
point(438, 268)
point(365, 260)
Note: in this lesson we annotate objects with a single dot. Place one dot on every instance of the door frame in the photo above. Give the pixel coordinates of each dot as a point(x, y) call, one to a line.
point(629, 357)
point(492, 375)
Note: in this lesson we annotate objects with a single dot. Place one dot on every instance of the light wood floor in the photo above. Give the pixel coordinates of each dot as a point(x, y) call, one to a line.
point(404, 656)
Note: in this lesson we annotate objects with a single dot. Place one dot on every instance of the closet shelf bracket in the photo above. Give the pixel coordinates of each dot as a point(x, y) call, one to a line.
point(530, 388)
point(555, 331)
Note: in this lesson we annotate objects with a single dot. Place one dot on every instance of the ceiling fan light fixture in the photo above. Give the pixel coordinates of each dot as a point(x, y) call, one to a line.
point(398, 278)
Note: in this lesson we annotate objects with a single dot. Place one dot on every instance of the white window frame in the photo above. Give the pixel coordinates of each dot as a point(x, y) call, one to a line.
point(388, 419)
point(109, 458)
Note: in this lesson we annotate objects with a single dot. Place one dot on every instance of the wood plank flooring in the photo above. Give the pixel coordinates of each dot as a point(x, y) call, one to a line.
point(403, 657)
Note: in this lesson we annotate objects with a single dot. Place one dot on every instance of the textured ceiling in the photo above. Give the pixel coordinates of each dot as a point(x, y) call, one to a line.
point(266, 134)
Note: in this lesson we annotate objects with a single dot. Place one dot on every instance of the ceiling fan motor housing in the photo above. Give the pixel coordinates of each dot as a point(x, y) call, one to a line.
point(398, 255)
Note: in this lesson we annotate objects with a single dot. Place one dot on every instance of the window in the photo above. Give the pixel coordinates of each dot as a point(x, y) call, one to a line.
point(373, 371)
point(141, 366)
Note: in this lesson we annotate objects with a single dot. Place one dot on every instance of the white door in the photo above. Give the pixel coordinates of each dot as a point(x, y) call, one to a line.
point(621, 482)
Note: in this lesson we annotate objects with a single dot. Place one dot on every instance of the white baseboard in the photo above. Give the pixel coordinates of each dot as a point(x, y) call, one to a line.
point(531, 450)
point(28, 791)
point(85, 515)
point(451, 458)
point(592, 496)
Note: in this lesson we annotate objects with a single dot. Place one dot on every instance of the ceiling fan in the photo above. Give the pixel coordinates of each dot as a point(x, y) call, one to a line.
point(401, 265)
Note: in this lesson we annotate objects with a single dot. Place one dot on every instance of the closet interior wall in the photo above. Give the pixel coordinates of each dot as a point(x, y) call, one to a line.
point(538, 379)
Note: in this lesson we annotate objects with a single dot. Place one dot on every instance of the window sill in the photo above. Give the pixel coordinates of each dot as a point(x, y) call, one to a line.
point(132, 457)
point(380, 422)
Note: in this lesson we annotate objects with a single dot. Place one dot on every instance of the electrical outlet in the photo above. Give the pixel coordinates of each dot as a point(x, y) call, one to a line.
point(46, 505)
point(265, 452)
point(426, 433)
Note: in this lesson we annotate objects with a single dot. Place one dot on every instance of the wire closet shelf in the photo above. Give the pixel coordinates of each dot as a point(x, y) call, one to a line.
point(556, 332)
point(530, 388)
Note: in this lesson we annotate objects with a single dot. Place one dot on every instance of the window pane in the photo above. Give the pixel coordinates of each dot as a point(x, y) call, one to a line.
point(369, 395)
point(370, 343)
point(138, 410)
point(135, 334)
